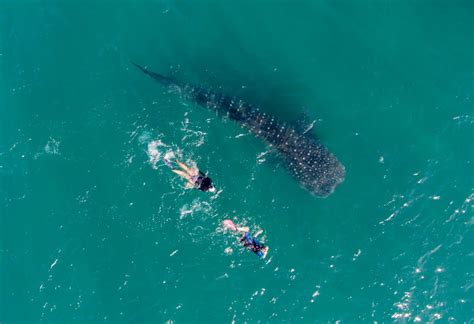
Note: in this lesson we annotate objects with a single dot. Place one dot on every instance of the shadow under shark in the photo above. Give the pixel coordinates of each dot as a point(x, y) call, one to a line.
point(310, 162)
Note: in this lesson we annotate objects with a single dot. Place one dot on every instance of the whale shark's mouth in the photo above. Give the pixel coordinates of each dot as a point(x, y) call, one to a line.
point(321, 187)
point(324, 189)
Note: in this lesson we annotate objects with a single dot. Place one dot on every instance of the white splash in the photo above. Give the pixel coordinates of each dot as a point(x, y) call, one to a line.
point(195, 138)
point(143, 138)
point(427, 255)
point(261, 156)
point(401, 209)
point(52, 146)
point(224, 276)
point(169, 155)
point(403, 306)
point(356, 254)
point(461, 210)
point(196, 206)
point(154, 154)
point(53, 264)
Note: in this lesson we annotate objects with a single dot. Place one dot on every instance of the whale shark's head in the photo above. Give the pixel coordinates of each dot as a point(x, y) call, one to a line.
point(315, 168)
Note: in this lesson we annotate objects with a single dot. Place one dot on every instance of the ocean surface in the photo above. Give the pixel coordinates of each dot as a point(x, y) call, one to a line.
point(94, 228)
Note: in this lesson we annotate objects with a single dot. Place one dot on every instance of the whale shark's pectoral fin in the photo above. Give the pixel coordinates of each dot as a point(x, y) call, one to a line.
point(270, 155)
point(304, 124)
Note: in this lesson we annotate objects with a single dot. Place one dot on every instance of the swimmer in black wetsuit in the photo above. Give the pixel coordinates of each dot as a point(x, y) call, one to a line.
point(196, 178)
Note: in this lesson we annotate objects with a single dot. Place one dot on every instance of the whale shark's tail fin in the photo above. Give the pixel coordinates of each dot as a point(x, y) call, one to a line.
point(158, 77)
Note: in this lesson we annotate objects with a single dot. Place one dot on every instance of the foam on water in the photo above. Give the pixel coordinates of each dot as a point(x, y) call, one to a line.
point(154, 153)
point(196, 206)
point(192, 137)
point(52, 146)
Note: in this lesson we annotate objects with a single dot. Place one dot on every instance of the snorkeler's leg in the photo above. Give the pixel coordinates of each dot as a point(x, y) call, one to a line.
point(168, 163)
point(182, 174)
point(190, 182)
point(187, 169)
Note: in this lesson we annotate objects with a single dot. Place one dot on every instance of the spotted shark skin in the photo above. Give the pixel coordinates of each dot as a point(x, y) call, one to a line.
point(310, 162)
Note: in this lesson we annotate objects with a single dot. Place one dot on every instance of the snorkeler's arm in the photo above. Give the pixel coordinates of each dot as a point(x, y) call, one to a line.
point(243, 229)
point(258, 233)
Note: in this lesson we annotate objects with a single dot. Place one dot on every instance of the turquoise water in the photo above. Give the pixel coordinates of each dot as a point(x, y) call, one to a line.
point(94, 230)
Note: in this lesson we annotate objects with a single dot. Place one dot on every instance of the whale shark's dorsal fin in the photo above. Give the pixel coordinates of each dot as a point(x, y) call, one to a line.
point(158, 77)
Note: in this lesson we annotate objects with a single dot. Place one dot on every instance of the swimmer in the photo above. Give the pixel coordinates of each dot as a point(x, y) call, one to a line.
point(195, 178)
point(250, 242)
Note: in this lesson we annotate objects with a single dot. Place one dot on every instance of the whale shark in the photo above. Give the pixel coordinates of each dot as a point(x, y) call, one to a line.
point(309, 161)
